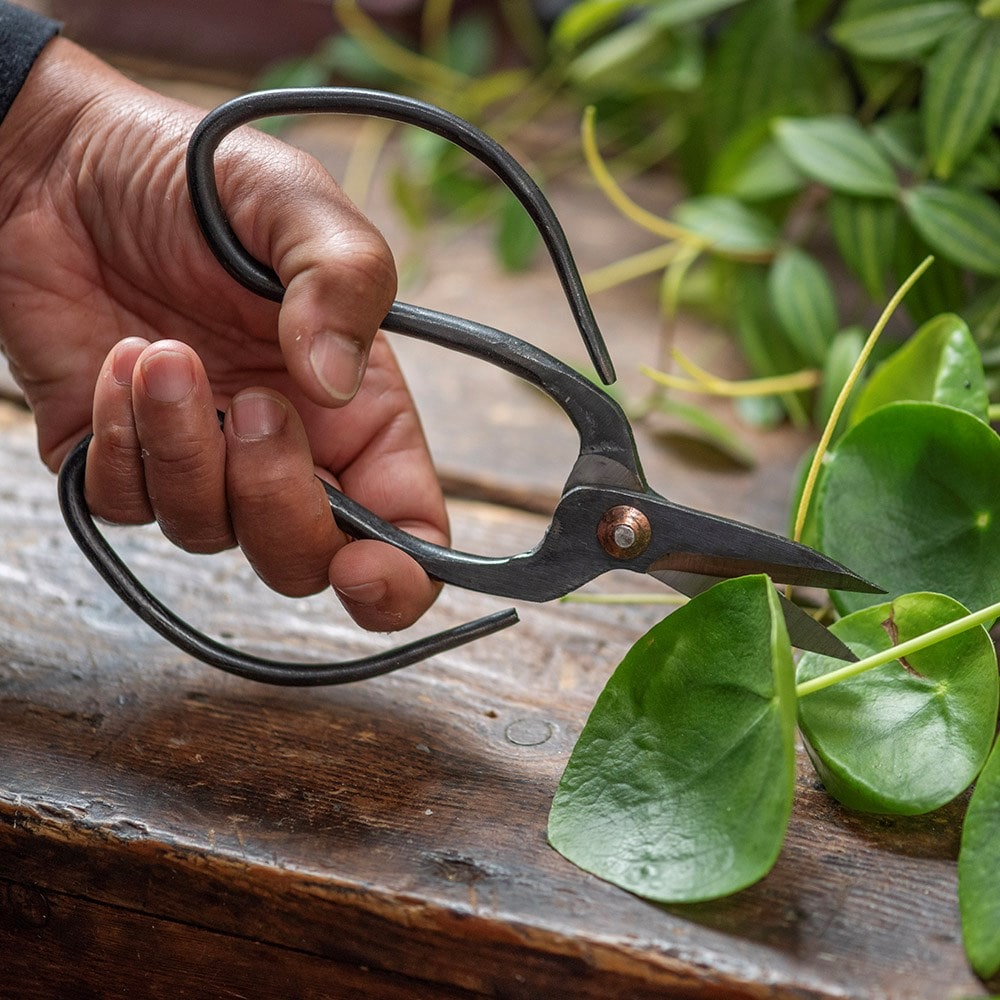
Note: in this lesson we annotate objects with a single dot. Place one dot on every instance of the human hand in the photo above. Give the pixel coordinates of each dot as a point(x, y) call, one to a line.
point(115, 316)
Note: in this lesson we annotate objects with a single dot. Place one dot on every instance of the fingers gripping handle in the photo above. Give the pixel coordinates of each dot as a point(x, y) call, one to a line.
point(154, 613)
point(259, 278)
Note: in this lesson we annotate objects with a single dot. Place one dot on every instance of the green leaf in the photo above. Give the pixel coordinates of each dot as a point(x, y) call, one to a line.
point(910, 499)
point(765, 346)
point(907, 737)
point(845, 349)
point(865, 231)
point(587, 18)
point(979, 872)
point(961, 224)
point(753, 168)
point(900, 136)
point(940, 289)
point(762, 65)
point(708, 427)
point(803, 301)
point(981, 169)
point(960, 94)
point(896, 29)
point(517, 238)
point(940, 363)
point(694, 732)
point(837, 152)
point(729, 226)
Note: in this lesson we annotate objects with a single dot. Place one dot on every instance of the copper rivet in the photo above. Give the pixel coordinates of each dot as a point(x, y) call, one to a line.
point(624, 532)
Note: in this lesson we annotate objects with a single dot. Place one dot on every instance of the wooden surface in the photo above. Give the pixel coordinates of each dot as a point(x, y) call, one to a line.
point(169, 831)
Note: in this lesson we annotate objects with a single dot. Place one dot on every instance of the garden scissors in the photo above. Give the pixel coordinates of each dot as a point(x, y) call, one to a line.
point(607, 516)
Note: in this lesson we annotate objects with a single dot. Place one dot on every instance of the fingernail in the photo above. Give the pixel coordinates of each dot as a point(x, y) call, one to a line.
point(366, 594)
point(257, 415)
point(338, 362)
point(167, 376)
point(123, 361)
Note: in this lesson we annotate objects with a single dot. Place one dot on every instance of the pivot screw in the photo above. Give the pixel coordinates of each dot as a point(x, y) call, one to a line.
point(624, 532)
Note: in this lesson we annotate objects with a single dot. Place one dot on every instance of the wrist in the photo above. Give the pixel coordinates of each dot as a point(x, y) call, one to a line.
point(63, 82)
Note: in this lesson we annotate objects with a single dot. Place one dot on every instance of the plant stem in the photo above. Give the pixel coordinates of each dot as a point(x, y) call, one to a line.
point(899, 651)
point(614, 193)
point(845, 392)
point(711, 385)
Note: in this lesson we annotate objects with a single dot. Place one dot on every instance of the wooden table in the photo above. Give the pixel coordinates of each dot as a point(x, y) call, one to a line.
point(169, 831)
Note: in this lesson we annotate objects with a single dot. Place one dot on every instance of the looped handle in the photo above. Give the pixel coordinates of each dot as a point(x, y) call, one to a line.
point(187, 638)
point(259, 278)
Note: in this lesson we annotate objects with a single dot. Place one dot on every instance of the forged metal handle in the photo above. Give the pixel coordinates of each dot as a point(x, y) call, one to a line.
point(187, 638)
point(260, 278)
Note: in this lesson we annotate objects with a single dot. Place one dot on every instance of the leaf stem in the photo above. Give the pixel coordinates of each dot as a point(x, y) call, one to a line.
point(712, 385)
point(899, 651)
point(614, 193)
point(845, 392)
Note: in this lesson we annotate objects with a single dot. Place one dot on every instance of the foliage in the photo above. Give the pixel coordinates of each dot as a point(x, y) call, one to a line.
point(854, 137)
point(907, 493)
point(826, 148)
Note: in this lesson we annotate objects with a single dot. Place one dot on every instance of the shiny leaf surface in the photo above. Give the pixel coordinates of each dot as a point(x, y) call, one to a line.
point(693, 733)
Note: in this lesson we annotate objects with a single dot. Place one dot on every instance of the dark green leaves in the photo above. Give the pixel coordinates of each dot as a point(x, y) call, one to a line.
point(979, 872)
point(803, 302)
point(960, 223)
point(896, 29)
point(909, 736)
point(693, 734)
point(961, 93)
point(836, 151)
point(910, 498)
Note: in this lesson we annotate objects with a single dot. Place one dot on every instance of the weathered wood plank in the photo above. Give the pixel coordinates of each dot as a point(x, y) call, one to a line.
point(397, 826)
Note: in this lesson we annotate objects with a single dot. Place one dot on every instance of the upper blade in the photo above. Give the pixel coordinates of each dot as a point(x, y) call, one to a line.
point(692, 541)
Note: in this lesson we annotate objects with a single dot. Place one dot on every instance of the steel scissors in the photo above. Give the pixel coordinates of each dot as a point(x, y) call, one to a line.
point(607, 517)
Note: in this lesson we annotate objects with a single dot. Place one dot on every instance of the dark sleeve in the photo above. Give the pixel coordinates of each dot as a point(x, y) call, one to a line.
point(23, 35)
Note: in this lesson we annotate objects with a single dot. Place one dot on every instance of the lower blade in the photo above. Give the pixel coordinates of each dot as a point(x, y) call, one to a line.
point(804, 632)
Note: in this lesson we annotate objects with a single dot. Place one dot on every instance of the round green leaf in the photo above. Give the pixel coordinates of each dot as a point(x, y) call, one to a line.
point(910, 499)
point(729, 226)
point(911, 735)
point(694, 733)
point(940, 363)
point(961, 90)
point(837, 152)
point(963, 225)
point(803, 301)
point(979, 872)
point(896, 29)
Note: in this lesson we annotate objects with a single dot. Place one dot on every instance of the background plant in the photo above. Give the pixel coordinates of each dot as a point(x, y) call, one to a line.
point(825, 147)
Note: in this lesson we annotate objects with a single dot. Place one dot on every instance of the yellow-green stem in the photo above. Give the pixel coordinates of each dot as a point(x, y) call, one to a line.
point(838, 407)
point(904, 649)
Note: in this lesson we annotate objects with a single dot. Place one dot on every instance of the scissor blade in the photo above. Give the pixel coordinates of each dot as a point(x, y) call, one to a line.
point(804, 632)
point(691, 541)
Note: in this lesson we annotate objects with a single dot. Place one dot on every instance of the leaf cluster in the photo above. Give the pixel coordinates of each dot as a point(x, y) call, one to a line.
point(814, 138)
point(696, 728)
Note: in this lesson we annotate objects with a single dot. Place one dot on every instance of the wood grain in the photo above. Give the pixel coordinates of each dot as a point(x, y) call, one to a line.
point(167, 830)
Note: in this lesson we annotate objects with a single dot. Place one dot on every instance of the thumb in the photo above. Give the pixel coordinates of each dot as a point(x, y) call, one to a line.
point(338, 273)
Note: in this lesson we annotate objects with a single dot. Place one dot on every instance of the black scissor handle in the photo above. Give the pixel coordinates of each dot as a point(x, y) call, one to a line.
point(570, 390)
point(260, 278)
point(159, 617)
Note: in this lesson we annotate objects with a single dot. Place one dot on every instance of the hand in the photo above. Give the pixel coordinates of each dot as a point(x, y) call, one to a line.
point(115, 317)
